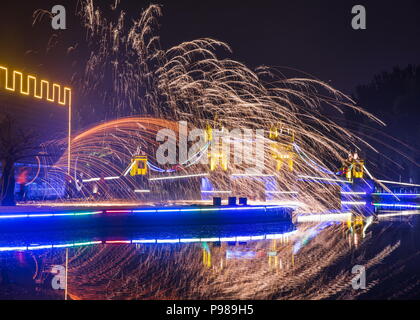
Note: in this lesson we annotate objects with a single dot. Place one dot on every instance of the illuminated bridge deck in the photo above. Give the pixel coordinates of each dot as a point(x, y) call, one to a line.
point(27, 219)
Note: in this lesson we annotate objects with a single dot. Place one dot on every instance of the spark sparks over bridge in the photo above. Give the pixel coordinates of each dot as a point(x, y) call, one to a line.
point(280, 141)
point(181, 172)
point(190, 83)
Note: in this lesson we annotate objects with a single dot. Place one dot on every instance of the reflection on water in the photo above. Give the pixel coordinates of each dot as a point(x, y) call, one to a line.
point(263, 261)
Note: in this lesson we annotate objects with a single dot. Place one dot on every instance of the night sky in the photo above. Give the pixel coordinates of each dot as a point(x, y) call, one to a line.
point(312, 36)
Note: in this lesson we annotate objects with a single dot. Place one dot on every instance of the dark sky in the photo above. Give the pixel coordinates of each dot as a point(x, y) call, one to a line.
point(314, 36)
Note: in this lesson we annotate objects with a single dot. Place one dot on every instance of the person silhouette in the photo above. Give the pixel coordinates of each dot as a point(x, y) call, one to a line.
point(22, 180)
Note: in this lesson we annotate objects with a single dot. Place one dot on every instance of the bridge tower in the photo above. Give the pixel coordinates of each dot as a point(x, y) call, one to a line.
point(282, 147)
point(216, 154)
point(357, 193)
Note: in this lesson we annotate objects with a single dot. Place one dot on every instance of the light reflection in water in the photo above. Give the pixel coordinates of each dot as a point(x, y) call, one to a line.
point(312, 262)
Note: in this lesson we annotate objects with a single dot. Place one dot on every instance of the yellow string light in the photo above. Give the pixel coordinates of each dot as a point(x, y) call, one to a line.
point(39, 89)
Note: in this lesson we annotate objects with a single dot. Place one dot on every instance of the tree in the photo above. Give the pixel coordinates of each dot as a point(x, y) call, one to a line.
point(394, 97)
point(16, 144)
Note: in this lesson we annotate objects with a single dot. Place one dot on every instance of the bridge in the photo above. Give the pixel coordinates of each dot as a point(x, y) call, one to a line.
point(358, 187)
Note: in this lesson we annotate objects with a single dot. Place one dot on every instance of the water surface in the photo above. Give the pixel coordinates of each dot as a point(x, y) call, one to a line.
point(258, 261)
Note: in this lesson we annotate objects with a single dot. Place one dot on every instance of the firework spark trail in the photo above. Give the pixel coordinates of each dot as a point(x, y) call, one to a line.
point(105, 151)
point(177, 271)
point(190, 82)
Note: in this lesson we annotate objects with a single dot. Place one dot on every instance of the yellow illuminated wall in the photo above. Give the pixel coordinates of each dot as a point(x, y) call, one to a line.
point(29, 85)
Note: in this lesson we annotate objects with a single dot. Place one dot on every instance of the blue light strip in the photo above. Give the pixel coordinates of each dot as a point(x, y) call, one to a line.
point(397, 194)
point(46, 215)
point(146, 210)
point(33, 247)
point(144, 241)
point(329, 181)
point(157, 169)
point(353, 203)
point(396, 205)
point(224, 208)
point(198, 175)
point(353, 193)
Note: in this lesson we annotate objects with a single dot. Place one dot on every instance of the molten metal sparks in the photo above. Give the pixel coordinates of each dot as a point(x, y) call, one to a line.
point(190, 82)
point(311, 264)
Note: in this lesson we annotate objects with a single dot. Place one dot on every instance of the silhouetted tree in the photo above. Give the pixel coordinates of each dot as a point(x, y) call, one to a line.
point(16, 144)
point(394, 97)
